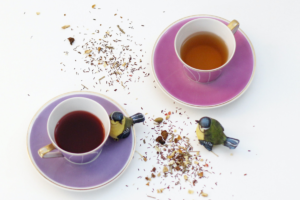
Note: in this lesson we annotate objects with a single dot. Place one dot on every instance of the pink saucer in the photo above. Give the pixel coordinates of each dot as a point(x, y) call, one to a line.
point(169, 73)
point(108, 167)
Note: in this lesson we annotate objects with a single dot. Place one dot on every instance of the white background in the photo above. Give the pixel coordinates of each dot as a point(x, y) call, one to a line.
point(265, 118)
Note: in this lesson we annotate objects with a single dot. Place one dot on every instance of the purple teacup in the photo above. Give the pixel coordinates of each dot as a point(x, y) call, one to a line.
point(61, 110)
point(211, 26)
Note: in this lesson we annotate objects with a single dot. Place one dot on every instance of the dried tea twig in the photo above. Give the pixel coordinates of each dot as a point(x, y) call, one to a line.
point(214, 153)
point(121, 29)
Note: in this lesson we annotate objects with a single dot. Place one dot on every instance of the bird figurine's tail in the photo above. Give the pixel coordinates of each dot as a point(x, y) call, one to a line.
point(137, 118)
point(231, 143)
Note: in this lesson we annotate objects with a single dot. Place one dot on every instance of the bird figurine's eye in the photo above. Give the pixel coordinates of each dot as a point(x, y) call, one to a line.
point(205, 123)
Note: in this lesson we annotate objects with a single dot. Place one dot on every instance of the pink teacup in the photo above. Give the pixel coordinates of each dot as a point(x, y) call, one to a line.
point(208, 25)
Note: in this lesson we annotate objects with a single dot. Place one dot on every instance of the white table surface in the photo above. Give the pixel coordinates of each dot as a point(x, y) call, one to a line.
point(265, 118)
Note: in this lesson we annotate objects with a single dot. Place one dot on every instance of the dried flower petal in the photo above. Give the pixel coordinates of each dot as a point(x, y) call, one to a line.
point(164, 134)
point(185, 177)
point(194, 182)
point(71, 40)
point(165, 169)
point(200, 174)
point(65, 26)
point(153, 170)
point(158, 175)
point(147, 178)
point(148, 183)
point(204, 194)
point(160, 140)
point(87, 51)
point(160, 190)
point(38, 13)
point(190, 191)
point(167, 117)
point(93, 6)
point(157, 149)
point(171, 162)
point(153, 175)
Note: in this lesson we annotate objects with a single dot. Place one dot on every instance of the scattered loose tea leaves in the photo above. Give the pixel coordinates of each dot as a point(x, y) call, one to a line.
point(165, 169)
point(151, 197)
point(101, 78)
point(164, 134)
point(121, 29)
point(204, 194)
point(194, 182)
point(159, 120)
point(88, 51)
point(190, 191)
point(84, 86)
point(159, 139)
point(200, 174)
point(65, 26)
point(71, 40)
point(160, 190)
point(185, 177)
point(157, 149)
point(109, 47)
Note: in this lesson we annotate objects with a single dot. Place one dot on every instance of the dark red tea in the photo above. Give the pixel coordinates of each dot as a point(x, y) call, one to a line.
point(79, 132)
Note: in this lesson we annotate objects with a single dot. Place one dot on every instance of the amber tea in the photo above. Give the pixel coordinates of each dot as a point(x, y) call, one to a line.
point(204, 50)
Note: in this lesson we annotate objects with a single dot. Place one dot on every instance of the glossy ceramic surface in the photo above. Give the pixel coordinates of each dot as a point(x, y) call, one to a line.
point(112, 162)
point(173, 80)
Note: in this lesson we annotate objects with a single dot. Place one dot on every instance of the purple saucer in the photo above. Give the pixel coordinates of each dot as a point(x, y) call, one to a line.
point(112, 162)
point(170, 75)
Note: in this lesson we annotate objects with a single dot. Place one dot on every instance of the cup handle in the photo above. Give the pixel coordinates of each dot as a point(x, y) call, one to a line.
point(233, 26)
point(44, 152)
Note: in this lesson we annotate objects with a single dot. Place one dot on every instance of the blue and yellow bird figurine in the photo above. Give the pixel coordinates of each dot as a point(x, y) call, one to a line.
point(210, 132)
point(121, 125)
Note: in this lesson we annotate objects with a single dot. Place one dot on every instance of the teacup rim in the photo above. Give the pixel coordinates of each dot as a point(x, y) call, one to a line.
point(77, 154)
point(189, 104)
point(201, 70)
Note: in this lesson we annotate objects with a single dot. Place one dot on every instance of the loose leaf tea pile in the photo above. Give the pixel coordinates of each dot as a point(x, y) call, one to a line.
point(177, 165)
point(110, 54)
